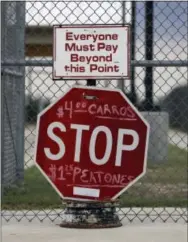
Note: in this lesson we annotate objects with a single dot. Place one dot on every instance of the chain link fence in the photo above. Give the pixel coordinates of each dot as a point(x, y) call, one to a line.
point(158, 85)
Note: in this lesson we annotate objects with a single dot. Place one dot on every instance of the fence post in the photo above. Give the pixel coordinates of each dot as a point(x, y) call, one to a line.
point(20, 39)
point(120, 82)
point(2, 93)
point(90, 214)
point(149, 56)
point(133, 20)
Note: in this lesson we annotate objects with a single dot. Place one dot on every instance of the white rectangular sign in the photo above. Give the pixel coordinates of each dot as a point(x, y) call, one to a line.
point(91, 52)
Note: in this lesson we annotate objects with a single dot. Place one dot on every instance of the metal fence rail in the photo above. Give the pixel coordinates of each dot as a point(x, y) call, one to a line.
point(153, 63)
point(159, 75)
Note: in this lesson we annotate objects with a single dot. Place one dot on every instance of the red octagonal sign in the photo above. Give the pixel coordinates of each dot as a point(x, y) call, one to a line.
point(91, 144)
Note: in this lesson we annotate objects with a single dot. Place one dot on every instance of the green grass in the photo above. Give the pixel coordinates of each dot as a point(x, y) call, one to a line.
point(165, 184)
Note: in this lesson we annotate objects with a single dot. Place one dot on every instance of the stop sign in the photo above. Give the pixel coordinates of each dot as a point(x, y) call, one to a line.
point(91, 144)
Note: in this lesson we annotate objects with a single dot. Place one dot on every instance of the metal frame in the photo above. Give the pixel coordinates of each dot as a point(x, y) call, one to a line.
point(141, 63)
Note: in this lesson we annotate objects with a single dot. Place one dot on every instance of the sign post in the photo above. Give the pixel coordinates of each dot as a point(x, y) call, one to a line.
point(91, 144)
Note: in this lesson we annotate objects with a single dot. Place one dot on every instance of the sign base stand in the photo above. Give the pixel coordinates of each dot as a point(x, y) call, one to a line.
point(90, 215)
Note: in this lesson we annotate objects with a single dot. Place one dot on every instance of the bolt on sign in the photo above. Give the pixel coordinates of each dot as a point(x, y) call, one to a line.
point(91, 144)
point(91, 52)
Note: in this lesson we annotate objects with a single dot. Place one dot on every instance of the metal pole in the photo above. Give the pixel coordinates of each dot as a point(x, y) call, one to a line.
point(133, 20)
point(30, 82)
point(20, 38)
point(149, 56)
point(141, 63)
point(91, 82)
point(120, 83)
point(3, 46)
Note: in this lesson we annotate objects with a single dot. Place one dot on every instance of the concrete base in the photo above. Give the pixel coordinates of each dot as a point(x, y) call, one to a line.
point(158, 140)
point(90, 215)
